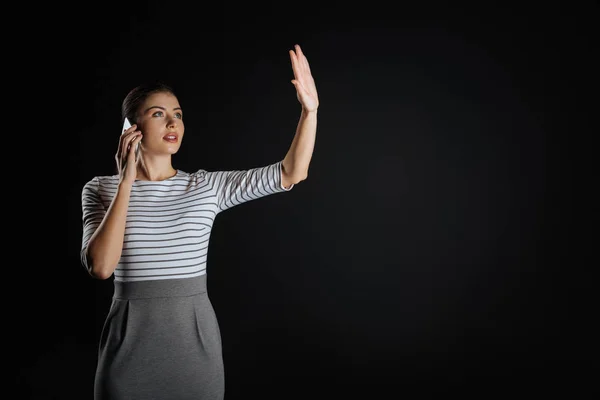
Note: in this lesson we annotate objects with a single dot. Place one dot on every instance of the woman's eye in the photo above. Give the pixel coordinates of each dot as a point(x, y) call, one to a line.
point(157, 114)
point(178, 115)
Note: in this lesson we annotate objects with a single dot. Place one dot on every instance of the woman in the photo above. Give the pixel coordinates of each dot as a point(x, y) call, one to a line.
point(149, 227)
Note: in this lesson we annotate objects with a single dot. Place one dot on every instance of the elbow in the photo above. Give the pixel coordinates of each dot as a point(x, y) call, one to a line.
point(294, 175)
point(302, 177)
point(299, 177)
point(99, 273)
point(97, 270)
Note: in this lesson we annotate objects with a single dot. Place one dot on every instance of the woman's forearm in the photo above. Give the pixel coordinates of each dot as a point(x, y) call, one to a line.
point(106, 244)
point(297, 159)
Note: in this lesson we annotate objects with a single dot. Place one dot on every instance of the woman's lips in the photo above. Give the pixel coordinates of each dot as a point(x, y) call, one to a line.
point(170, 138)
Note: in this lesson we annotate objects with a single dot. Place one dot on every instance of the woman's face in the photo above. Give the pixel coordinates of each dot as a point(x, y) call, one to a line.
point(160, 119)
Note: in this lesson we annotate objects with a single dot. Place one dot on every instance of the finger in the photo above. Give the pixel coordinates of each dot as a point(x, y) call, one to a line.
point(126, 135)
point(136, 149)
point(120, 146)
point(130, 129)
point(130, 156)
point(298, 65)
point(295, 64)
point(307, 65)
point(133, 141)
point(131, 146)
point(123, 140)
point(302, 58)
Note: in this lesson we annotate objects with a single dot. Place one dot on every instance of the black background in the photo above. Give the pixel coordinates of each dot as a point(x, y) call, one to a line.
point(441, 243)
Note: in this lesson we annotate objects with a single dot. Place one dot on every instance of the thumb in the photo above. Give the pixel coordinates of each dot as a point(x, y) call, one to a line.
point(133, 147)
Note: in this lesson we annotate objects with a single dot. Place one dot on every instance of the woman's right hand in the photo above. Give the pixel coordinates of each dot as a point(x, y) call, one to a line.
point(126, 157)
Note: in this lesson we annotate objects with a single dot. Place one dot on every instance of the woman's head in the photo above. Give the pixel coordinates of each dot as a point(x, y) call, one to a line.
point(136, 97)
point(156, 111)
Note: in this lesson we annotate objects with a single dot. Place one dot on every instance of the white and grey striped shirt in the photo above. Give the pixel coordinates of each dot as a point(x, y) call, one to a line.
point(169, 222)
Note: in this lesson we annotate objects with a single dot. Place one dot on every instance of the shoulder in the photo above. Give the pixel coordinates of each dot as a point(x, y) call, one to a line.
point(98, 181)
point(197, 175)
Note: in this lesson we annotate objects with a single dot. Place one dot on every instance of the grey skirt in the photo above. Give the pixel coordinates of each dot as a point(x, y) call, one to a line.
point(160, 340)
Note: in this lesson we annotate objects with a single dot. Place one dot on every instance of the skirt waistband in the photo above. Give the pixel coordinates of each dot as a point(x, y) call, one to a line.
point(160, 288)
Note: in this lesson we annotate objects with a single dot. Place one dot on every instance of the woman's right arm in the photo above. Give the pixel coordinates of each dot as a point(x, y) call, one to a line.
point(102, 252)
point(104, 248)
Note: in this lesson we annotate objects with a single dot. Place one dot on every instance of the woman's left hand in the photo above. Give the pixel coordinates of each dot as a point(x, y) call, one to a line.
point(306, 90)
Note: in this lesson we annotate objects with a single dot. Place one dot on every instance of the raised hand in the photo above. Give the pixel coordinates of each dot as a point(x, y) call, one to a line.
point(306, 90)
point(126, 157)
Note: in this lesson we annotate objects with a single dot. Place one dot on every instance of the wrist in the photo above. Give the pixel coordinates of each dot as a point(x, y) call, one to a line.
point(307, 112)
point(124, 186)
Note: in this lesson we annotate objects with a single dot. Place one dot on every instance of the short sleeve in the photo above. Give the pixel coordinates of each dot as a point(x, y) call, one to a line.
point(93, 212)
point(240, 186)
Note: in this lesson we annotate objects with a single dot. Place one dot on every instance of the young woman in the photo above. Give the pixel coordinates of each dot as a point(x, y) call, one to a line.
point(149, 227)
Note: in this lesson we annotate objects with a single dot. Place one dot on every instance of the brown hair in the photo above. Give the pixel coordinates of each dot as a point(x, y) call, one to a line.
point(138, 95)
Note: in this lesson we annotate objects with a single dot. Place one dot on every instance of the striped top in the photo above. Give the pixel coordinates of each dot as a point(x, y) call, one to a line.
point(169, 222)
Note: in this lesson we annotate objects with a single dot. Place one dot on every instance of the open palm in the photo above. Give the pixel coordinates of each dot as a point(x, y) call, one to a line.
point(306, 90)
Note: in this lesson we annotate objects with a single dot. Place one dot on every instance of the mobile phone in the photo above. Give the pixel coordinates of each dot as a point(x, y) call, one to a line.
point(127, 125)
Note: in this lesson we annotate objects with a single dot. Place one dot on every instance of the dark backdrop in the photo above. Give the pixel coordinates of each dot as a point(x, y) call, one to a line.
point(436, 247)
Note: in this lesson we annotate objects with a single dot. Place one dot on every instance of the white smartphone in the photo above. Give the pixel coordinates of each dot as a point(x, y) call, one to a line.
point(127, 125)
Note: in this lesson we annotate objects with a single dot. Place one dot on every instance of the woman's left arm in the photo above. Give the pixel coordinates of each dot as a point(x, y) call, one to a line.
point(297, 159)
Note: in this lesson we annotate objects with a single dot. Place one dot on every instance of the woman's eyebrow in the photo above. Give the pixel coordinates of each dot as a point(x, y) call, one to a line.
point(162, 108)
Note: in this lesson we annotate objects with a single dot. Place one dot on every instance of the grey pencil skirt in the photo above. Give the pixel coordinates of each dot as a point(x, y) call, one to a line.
point(161, 340)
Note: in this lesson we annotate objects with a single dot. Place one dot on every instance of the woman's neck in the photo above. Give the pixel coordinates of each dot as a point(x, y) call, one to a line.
point(149, 172)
